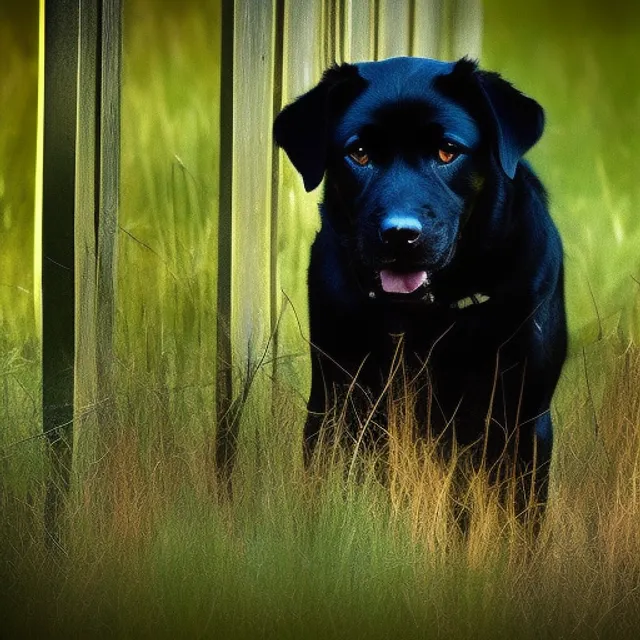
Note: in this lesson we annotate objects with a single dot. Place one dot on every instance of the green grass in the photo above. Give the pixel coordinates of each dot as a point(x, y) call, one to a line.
point(148, 549)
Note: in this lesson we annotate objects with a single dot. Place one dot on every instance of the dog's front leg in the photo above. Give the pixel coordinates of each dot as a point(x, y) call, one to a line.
point(341, 407)
point(533, 467)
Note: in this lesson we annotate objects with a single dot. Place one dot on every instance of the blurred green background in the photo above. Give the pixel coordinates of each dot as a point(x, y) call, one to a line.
point(578, 58)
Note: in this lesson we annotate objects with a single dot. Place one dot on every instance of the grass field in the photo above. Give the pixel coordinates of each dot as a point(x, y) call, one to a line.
point(149, 552)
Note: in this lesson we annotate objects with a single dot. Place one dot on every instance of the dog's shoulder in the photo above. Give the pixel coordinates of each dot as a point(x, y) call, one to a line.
point(329, 279)
point(539, 235)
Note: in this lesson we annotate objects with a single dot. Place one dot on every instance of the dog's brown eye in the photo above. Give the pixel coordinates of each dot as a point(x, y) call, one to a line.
point(359, 155)
point(446, 156)
point(448, 153)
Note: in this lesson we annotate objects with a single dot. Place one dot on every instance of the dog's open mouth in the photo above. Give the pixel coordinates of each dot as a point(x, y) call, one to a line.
point(402, 282)
point(410, 284)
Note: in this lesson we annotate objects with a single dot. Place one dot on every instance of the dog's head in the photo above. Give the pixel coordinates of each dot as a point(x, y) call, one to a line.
point(407, 145)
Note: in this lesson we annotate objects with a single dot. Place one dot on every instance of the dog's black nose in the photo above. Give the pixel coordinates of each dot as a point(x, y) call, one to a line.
point(400, 230)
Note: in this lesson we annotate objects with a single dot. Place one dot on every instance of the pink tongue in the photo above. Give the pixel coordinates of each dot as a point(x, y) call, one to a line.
point(394, 282)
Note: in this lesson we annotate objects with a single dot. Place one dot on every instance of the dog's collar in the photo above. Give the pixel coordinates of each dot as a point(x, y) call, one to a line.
point(473, 299)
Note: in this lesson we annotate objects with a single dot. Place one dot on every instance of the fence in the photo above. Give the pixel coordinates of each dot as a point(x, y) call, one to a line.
point(272, 51)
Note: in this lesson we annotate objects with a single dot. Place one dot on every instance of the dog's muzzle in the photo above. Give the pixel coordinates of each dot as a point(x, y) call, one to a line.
point(400, 235)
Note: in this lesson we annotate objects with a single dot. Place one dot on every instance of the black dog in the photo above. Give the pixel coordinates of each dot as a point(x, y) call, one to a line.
point(433, 228)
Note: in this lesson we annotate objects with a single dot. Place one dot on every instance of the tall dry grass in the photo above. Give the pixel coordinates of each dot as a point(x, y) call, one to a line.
point(149, 550)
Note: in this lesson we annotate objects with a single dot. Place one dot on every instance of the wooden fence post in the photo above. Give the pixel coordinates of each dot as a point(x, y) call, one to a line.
point(96, 214)
point(304, 51)
point(108, 178)
point(58, 129)
point(226, 427)
point(244, 231)
point(427, 34)
point(360, 30)
point(466, 27)
point(79, 168)
point(395, 28)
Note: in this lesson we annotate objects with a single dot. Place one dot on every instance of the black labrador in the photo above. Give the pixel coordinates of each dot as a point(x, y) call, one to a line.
point(433, 229)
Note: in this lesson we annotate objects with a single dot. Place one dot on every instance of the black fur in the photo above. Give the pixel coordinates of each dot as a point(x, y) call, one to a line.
point(478, 227)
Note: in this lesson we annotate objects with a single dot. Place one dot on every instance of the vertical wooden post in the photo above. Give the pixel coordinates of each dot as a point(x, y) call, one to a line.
point(96, 215)
point(87, 197)
point(303, 61)
point(226, 427)
point(394, 28)
point(427, 28)
point(252, 149)
point(466, 37)
point(244, 254)
point(277, 104)
point(58, 128)
point(359, 31)
point(107, 177)
point(80, 123)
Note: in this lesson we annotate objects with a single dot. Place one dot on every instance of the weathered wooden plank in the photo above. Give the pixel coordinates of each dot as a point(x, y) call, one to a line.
point(96, 215)
point(86, 215)
point(110, 50)
point(251, 180)
point(466, 37)
point(277, 104)
point(326, 29)
point(428, 28)
point(244, 257)
point(296, 210)
point(394, 28)
point(226, 424)
point(340, 30)
point(79, 201)
point(37, 230)
point(359, 30)
point(58, 243)
point(302, 47)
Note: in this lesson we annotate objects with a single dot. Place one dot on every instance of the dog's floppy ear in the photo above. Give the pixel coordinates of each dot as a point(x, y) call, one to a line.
point(516, 119)
point(302, 128)
point(519, 120)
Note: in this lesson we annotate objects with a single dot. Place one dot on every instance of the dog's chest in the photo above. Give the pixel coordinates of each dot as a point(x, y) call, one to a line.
point(467, 338)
